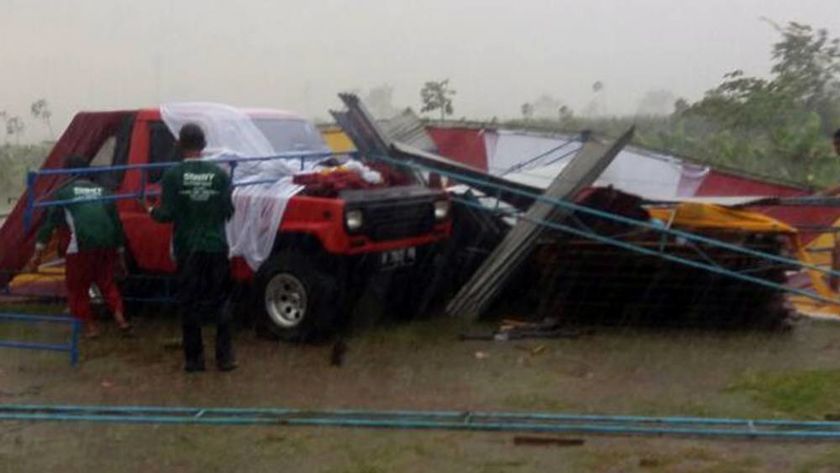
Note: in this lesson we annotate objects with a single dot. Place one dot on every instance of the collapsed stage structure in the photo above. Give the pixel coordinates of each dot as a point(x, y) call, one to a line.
point(560, 248)
point(580, 229)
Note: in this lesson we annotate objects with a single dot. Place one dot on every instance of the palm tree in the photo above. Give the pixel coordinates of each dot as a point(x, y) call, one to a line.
point(3, 116)
point(437, 96)
point(41, 111)
point(15, 126)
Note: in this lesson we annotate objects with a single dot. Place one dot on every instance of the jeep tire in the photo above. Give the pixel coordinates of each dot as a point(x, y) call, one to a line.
point(297, 299)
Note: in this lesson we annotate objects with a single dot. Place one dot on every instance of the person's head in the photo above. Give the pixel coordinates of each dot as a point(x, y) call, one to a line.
point(75, 161)
point(837, 142)
point(191, 140)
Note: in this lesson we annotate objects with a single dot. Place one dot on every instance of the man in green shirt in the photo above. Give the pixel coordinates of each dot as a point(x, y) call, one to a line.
point(196, 198)
point(96, 245)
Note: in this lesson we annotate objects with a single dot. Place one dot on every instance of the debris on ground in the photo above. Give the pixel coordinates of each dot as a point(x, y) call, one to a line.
point(519, 330)
point(339, 349)
point(488, 281)
point(174, 343)
point(649, 463)
point(584, 281)
point(596, 283)
point(547, 441)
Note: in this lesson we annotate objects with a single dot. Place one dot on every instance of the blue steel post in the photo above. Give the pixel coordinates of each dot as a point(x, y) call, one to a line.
point(71, 347)
point(30, 200)
point(74, 343)
point(143, 187)
point(232, 170)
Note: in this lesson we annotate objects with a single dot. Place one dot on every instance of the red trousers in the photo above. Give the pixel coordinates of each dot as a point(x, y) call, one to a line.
point(85, 268)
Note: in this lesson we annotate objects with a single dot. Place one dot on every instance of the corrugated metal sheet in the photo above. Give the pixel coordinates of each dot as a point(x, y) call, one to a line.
point(407, 128)
point(485, 285)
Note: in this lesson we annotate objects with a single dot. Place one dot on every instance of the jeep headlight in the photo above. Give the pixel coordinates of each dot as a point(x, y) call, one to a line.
point(353, 219)
point(441, 209)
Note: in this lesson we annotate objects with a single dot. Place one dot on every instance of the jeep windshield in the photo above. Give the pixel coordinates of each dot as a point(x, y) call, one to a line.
point(288, 135)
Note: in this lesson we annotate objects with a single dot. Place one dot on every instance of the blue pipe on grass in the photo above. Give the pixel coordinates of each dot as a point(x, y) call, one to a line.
point(474, 415)
point(442, 420)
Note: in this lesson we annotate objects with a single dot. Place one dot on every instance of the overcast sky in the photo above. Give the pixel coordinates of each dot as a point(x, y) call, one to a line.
point(297, 54)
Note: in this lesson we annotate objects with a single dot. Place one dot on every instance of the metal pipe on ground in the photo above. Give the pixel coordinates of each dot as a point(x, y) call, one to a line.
point(478, 421)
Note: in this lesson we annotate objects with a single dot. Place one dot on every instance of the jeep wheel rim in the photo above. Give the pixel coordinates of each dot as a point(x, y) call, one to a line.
point(285, 300)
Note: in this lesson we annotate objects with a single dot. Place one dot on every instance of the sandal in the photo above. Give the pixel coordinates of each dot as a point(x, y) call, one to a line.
point(126, 330)
point(92, 334)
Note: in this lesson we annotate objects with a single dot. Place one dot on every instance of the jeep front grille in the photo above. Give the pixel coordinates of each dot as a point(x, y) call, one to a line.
point(395, 220)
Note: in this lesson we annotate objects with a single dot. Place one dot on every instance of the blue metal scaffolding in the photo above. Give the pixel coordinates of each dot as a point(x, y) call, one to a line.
point(71, 347)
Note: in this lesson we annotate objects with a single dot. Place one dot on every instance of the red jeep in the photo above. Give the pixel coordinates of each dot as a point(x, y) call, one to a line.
point(327, 246)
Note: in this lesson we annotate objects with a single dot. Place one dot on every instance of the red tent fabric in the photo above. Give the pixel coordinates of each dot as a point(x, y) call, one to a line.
point(465, 145)
point(719, 183)
point(84, 136)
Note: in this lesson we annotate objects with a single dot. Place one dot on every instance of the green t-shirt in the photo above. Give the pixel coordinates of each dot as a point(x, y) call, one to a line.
point(196, 198)
point(93, 222)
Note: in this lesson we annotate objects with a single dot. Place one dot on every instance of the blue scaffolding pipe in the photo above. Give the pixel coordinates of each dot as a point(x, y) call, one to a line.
point(134, 195)
point(57, 298)
point(613, 217)
point(71, 347)
point(130, 167)
point(585, 234)
point(513, 422)
point(564, 155)
point(32, 176)
point(661, 254)
point(104, 198)
point(523, 164)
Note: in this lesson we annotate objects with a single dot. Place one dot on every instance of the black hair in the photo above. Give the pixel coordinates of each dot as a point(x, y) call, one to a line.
point(191, 138)
point(837, 135)
point(75, 161)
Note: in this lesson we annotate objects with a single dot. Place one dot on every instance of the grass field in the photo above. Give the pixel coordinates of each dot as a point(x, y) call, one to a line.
point(422, 365)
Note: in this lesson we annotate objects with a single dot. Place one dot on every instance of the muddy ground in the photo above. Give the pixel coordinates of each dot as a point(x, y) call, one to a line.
point(422, 365)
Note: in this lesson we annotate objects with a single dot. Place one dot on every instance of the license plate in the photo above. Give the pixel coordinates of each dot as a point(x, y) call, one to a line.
point(398, 258)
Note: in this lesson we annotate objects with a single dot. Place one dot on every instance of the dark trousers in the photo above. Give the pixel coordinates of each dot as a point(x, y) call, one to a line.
point(203, 285)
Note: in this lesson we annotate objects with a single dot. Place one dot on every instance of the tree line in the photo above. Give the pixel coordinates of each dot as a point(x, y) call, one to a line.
point(14, 125)
point(16, 159)
point(779, 126)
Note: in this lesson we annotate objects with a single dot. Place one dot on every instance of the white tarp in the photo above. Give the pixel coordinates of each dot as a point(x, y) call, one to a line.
point(651, 177)
point(259, 207)
point(230, 133)
point(507, 148)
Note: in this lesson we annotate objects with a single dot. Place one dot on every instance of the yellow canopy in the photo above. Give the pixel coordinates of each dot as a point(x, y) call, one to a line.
point(692, 215)
point(706, 216)
point(337, 140)
point(818, 252)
